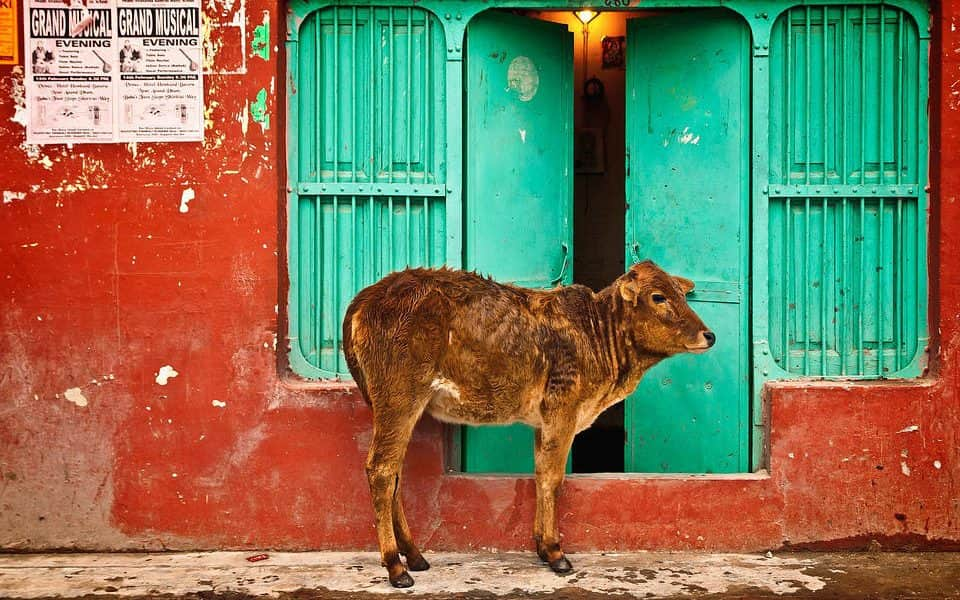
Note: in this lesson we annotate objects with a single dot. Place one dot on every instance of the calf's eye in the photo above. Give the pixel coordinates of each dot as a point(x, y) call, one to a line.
point(658, 298)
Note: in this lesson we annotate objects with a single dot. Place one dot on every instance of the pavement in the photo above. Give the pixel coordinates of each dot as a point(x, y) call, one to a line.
point(487, 576)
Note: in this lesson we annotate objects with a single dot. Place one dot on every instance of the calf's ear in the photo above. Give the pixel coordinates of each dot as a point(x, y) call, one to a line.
point(685, 284)
point(629, 289)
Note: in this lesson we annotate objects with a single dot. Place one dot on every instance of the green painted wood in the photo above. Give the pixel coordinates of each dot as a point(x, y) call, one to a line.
point(688, 103)
point(368, 181)
point(519, 198)
point(846, 220)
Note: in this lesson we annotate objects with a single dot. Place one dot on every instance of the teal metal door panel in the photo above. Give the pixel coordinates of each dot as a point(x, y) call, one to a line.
point(366, 165)
point(846, 200)
point(519, 195)
point(688, 136)
point(519, 153)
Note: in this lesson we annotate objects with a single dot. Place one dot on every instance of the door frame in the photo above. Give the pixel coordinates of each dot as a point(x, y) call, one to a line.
point(760, 17)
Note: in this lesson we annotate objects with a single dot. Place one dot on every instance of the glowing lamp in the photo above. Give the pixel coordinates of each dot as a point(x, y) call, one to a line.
point(586, 15)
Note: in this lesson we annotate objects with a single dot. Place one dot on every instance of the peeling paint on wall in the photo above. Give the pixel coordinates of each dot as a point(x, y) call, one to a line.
point(258, 110)
point(9, 196)
point(261, 38)
point(185, 199)
point(166, 373)
point(76, 396)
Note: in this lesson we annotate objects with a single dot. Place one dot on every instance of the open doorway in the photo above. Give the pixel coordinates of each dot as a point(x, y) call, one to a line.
point(671, 161)
point(599, 200)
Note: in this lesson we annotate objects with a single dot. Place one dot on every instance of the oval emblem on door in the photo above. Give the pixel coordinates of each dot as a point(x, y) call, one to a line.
point(523, 77)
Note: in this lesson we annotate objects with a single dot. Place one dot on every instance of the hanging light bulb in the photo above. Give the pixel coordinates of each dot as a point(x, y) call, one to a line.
point(586, 15)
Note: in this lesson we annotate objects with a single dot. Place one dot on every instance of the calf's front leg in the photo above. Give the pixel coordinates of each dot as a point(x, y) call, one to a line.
point(551, 447)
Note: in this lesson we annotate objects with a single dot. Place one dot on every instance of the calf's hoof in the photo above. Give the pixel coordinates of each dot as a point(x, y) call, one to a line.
point(417, 563)
point(403, 580)
point(561, 565)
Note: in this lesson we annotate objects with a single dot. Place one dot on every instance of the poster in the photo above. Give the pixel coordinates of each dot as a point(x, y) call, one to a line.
point(113, 71)
point(9, 28)
point(160, 89)
point(69, 71)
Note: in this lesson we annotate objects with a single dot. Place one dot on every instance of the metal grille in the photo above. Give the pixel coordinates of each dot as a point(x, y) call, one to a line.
point(847, 229)
point(369, 193)
point(349, 242)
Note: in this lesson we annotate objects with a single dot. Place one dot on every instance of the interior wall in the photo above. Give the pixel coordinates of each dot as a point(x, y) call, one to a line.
point(599, 202)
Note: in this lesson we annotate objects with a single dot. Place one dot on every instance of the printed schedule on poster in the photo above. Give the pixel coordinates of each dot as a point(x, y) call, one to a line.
point(113, 71)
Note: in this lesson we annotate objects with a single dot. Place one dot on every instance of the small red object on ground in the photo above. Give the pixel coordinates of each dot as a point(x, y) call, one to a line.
point(258, 557)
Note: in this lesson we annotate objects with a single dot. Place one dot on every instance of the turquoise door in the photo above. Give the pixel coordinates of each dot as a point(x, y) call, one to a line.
point(519, 195)
point(688, 177)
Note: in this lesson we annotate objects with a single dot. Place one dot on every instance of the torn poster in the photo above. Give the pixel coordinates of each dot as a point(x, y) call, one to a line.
point(113, 71)
point(70, 75)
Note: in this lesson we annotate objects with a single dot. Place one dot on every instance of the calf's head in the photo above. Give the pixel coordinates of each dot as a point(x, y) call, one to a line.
point(657, 314)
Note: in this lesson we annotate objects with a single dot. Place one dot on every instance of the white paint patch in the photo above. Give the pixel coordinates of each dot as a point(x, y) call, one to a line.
point(904, 468)
point(219, 404)
point(523, 77)
point(937, 464)
point(76, 396)
point(909, 429)
point(9, 197)
point(19, 97)
point(185, 199)
point(791, 455)
point(166, 373)
point(445, 385)
point(245, 118)
point(688, 137)
point(523, 135)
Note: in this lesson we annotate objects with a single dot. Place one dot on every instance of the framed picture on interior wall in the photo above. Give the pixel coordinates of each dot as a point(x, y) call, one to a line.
point(614, 51)
point(588, 155)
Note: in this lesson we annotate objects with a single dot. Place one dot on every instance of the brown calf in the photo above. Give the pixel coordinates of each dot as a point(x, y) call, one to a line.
point(469, 350)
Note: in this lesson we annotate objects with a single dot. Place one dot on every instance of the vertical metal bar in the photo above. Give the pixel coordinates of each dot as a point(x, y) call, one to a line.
point(426, 231)
point(390, 110)
point(902, 101)
point(318, 281)
point(393, 240)
point(407, 233)
point(826, 91)
point(861, 288)
point(375, 253)
point(863, 94)
point(373, 93)
point(319, 103)
point(842, 67)
point(409, 122)
point(336, 94)
point(880, 310)
point(335, 283)
point(881, 104)
point(788, 288)
point(427, 101)
point(353, 95)
point(898, 274)
point(788, 133)
point(805, 282)
point(823, 290)
point(355, 250)
point(843, 288)
point(808, 69)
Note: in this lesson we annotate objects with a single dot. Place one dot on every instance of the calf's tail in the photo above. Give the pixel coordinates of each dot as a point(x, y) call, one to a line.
point(349, 351)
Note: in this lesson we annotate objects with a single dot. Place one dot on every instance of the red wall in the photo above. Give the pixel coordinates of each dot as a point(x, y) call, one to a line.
point(105, 281)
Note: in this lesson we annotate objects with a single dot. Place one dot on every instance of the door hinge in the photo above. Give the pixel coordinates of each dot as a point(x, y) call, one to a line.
point(626, 159)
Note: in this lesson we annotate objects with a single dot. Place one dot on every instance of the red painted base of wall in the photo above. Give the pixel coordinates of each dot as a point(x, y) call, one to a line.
point(105, 281)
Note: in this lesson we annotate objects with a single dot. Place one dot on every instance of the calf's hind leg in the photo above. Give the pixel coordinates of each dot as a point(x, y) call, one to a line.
point(391, 434)
point(415, 560)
